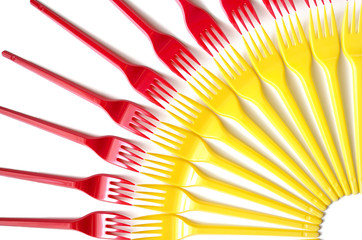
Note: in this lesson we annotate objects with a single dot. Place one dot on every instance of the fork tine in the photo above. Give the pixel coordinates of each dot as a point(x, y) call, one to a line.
point(319, 26)
point(154, 92)
point(333, 21)
point(176, 129)
point(159, 87)
point(167, 148)
point(269, 7)
point(235, 64)
point(147, 113)
point(246, 15)
point(252, 10)
point(294, 33)
point(345, 21)
point(141, 117)
point(177, 62)
point(209, 41)
point(166, 83)
point(223, 71)
point(167, 164)
point(175, 70)
point(181, 120)
point(158, 170)
point(255, 47)
point(152, 99)
point(360, 19)
point(183, 113)
point(220, 32)
point(232, 20)
point(326, 25)
point(353, 25)
point(269, 42)
point(262, 45)
point(191, 102)
point(183, 58)
point(301, 33)
point(205, 89)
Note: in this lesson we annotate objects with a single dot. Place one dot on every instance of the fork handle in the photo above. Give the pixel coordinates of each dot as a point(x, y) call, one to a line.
point(39, 177)
point(135, 18)
point(72, 135)
point(37, 223)
point(59, 80)
point(357, 86)
point(81, 35)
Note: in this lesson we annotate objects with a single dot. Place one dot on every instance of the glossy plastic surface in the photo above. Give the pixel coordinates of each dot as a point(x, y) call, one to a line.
point(101, 186)
point(326, 50)
point(112, 149)
point(202, 26)
point(352, 49)
point(103, 225)
point(127, 114)
point(144, 80)
point(270, 68)
point(169, 49)
point(192, 147)
point(233, 8)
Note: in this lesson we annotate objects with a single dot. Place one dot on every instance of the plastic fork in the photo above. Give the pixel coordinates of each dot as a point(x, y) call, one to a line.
point(178, 172)
point(352, 48)
point(270, 68)
point(297, 56)
point(190, 146)
point(112, 149)
point(170, 50)
point(171, 199)
point(125, 113)
point(101, 186)
point(202, 26)
point(233, 8)
point(222, 100)
point(268, 4)
point(326, 50)
point(172, 227)
point(104, 225)
point(144, 80)
point(205, 123)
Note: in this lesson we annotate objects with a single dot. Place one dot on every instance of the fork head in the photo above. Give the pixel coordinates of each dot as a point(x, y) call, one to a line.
point(103, 225)
point(268, 4)
point(173, 53)
point(196, 117)
point(352, 36)
point(295, 49)
point(167, 226)
point(233, 8)
point(324, 44)
point(131, 116)
point(184, 144)
point(149, 84)
point(105, 188)
point(171, 170)
point(117, 151)
point(202, 26)
point(164, 198)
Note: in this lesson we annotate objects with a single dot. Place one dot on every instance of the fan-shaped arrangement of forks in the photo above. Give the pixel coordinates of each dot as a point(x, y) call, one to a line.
point(315, 178)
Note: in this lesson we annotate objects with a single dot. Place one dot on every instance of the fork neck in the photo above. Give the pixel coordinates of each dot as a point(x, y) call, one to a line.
point(135, 18)
point(40, 177)
point(38, 223)
point(185, 5)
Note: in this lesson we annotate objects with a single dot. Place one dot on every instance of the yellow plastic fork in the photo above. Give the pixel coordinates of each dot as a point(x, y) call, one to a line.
point(244, 81)
point(205, 123)
point(297, 56)
point(172, 227)
point(352, 48)
point(175, 200)
point(326, 50)
point(271, 70)
point(190, 146)
point(222, 100)
point(183, 173)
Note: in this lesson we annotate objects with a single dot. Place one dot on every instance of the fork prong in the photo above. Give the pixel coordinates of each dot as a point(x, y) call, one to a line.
point(175, 128)
point(269, 42)
point(164, 82)
point(360, 19)
point(246, 15)
point(206, 37)
point(183, 113)
point(213, 35)
point(191, 102)
point(262, 45)
point(158, 170)
point(152, 99)
point(153, 90)
point(181, 120)
point(236, 14)
point(345, 28)
point(167, 148)
point(255, 47)
point(167, 164)
point(141, 117)
point(312, 32)
point(175, 70)
point(353, 24)
point(183, 58)
point(294, 33)
point(147, 113)
point(252, 10)
point(235, 64)
point(301, 33)
point(220, 32)
point(326, 25)
point(202, 86)
point(177, 62)
point(159, 87)
point(201, 42)
point(334, 30)
point(319, 25)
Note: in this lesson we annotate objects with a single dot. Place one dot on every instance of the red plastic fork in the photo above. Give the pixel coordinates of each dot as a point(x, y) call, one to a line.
point(170, 50)
point(102, 187)
point(268, 5)
point(103, 225)
point(144, 80)
point(112, 149)
point(125, 113)
point(232, 9)
point(201, 26)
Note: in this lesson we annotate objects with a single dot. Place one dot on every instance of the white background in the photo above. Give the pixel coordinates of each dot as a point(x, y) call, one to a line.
point(27, 32)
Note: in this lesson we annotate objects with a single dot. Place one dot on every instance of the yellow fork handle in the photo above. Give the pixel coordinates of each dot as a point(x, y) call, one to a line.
point(357, 95)
point(252, 215)
point(314, 102)
point(256, 231)
point(277, 171)
point(337, 103)
point(303, 127)
point(259, 134)
point(288, 135)
point(217, 185)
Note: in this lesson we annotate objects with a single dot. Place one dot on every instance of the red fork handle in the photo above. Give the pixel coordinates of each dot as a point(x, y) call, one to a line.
point(185, 4)
point(75, 136)
point(81, 35)
point(37, 223)
point(39, 177)
point(59, 80)
point(135, 18)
